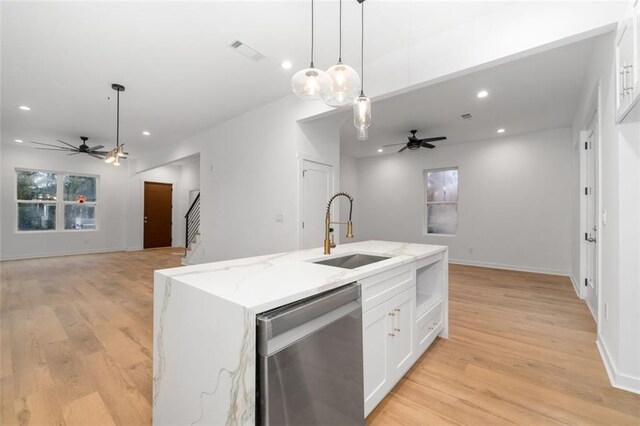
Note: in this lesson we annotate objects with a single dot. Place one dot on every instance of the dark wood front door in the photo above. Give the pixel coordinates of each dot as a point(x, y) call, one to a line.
point(157, 214)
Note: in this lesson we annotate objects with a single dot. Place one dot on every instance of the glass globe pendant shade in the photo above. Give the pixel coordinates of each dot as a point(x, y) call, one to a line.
point(109, 158)
point(311, 84)
point(345, 87)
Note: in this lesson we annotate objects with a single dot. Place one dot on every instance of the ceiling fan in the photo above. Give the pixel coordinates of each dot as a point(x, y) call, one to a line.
point(83, 148)
point(415, 143)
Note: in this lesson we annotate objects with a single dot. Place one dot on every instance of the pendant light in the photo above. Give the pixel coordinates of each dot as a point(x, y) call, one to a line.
point(118, 152)
point(362, 105)
point(345, 80)
point(311, 83)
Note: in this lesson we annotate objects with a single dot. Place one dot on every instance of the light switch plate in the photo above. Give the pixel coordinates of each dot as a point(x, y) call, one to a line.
point(604, 216)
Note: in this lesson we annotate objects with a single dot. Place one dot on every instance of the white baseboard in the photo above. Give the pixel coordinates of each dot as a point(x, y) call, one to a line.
point(576, 286)
point(618, 380)
point(511, 267)
point(66, 253)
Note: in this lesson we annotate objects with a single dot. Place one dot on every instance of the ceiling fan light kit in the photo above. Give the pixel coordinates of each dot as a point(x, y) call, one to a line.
point(340, 85)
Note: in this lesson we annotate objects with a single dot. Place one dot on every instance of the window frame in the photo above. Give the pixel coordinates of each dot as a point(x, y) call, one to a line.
point(426, 203)
point(59, 202)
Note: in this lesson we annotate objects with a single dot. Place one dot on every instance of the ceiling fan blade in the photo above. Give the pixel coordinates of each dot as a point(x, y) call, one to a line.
point(66, 143)
point(427, 145)
point(403, 149)
point(73, 153)
point(54, 146)
point(55, 149)
point(95, 148)
point(439, 138)
point(394, 144)
point(95, 156)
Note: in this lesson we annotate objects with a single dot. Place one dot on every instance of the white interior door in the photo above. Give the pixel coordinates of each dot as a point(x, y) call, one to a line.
point(591, 231)
point(317, 188)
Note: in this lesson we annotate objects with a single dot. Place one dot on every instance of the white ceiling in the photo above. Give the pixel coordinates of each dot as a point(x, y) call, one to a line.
point(535, 93)
point(181, 77)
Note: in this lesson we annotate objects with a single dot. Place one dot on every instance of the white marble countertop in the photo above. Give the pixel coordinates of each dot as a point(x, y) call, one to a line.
point(204, 363)
point(265, 282)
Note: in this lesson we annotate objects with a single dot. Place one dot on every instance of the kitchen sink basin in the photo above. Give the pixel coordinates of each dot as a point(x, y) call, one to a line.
point(351, 261)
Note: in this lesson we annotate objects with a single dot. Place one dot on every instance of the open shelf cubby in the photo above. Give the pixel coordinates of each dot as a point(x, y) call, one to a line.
point(429, 286)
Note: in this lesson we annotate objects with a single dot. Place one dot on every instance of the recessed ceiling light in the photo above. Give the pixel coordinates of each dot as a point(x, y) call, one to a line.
point(482, 94)
point(500, 130)
point(286, 65)
point(380, 150)
point(18, 140)
point(24, 108)
point(146, 133)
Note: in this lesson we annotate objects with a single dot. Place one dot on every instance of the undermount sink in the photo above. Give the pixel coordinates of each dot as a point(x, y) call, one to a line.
point(351, 261)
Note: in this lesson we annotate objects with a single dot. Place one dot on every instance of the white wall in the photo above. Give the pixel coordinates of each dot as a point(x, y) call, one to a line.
point(112, 206)
point(619, 332)
point(249, 174)
point(514, 200)
point(349, 184)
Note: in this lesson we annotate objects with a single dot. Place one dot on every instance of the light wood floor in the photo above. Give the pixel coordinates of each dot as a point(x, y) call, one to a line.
point(75, 348)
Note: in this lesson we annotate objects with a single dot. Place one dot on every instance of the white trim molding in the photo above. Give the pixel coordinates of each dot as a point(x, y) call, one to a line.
point(519, 268)
point(575, 284)
point(617, 379)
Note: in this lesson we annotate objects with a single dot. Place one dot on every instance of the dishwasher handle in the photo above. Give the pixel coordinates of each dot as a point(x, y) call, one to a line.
point(284, 326)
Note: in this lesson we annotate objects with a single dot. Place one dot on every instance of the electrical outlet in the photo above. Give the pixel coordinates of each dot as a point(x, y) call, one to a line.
point(606, 310)
point(279, 218)
point(471, 250)
point(604, 216)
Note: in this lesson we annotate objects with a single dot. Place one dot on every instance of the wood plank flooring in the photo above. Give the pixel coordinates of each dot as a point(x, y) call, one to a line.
point(76, 349)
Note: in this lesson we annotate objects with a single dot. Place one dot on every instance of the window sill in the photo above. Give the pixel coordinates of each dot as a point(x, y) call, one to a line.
point(53, 231)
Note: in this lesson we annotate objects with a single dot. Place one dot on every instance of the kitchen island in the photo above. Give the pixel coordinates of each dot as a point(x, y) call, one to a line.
point(204, 364)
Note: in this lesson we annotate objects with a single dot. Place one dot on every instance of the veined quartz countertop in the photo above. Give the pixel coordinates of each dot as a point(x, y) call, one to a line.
point(264, 282)
point(204, 351)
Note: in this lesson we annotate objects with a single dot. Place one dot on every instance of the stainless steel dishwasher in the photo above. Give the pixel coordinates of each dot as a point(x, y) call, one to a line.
point(310, 361)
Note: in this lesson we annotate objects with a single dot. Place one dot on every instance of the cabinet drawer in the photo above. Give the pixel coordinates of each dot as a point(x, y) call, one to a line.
point(383, 286)
point(428, 327)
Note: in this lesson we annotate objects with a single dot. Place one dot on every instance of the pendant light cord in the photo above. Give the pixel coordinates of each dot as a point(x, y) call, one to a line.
point(362, 49)
point(311, 33)
point(340, 37)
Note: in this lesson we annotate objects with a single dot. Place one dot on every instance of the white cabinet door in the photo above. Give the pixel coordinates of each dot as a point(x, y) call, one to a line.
point(376, 329)
point(403, 348)
point(624, 66)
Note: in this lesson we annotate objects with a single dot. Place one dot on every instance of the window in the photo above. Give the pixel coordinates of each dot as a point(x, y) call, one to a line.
point(50, 201)
point(441, 201)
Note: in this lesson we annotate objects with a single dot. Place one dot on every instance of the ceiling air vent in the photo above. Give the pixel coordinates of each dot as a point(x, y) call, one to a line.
point(466, 116)
point(246, 50)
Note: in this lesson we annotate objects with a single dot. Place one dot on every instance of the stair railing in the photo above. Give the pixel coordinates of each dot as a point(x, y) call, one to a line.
point(192, 219)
